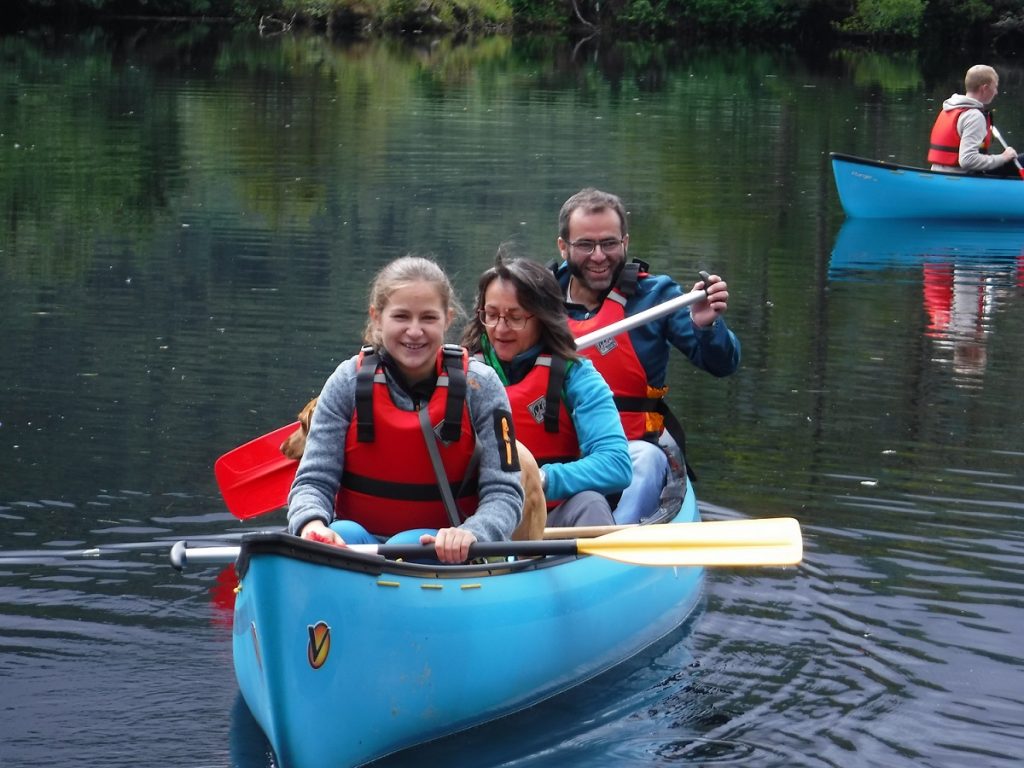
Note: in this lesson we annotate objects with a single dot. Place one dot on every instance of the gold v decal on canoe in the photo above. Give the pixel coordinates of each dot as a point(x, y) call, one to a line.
point(319, 644)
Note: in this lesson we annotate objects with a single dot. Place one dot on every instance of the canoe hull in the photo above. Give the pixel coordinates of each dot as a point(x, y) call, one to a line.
point(343, 658)
point(877, 190)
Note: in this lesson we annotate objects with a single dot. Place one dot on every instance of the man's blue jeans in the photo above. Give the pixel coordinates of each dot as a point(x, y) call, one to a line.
point(650, 468)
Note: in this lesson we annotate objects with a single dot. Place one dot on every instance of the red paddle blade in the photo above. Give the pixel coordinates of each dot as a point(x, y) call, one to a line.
point(255, 478)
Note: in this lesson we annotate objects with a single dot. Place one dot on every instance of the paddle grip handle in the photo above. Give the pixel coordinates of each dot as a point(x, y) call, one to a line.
point(182, 555)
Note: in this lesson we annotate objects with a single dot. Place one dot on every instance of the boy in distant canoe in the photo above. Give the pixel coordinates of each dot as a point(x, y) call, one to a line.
point(963, 129)
point(601, 286)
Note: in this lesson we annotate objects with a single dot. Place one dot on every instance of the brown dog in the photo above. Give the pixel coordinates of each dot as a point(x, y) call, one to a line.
point(535, 508)
point(535, 511)
point(295, 444)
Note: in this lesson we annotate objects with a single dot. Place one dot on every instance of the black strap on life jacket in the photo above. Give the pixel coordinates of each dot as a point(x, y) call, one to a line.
point(553, 396)
point(453, 361)
point(626, 284)
point(368, 362)
point(451, 427)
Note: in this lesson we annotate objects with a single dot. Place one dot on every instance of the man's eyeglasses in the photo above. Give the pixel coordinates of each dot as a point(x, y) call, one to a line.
point(490, 318)
point(611, 246)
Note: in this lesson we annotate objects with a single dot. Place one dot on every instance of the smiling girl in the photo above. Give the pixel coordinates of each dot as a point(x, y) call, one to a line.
point(367, 472)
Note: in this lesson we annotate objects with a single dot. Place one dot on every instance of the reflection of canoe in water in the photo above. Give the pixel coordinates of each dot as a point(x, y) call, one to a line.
point(344, 657)
point(961, 266)
point(872, 244)
point(879, 190)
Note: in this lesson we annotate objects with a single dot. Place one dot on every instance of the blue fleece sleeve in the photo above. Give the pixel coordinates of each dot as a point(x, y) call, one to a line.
point(604, 464)
point(714, 349)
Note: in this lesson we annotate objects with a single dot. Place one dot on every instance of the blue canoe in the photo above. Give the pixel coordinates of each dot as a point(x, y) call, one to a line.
point(344, 657)
point(873, 189)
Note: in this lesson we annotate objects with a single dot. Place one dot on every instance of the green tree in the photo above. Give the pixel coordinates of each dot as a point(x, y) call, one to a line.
point(898, 18)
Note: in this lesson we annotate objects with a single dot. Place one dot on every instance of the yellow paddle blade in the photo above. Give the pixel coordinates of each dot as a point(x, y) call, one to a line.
point(769, 541)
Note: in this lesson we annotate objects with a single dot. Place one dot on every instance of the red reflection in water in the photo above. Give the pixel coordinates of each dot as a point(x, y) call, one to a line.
point(960, 302)
point(222, 596)
point(938, 296)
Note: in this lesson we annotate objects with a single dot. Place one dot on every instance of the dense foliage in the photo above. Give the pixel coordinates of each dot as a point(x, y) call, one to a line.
point(939, 21)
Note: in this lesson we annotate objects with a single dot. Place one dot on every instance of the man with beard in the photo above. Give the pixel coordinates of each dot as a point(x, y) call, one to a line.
point(601, 286)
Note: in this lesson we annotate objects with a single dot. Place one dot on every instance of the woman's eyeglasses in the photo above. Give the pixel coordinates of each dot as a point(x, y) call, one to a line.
point(490, 318)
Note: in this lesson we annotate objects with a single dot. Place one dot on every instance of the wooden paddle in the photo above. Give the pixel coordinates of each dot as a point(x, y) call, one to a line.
point(999, 137)
point(255, 478)
point(768, 541)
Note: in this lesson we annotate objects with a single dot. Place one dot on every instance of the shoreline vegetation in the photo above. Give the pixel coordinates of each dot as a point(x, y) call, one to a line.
point(994, 23)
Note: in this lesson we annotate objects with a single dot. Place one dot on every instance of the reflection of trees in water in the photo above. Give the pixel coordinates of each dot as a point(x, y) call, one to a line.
point(960, 302)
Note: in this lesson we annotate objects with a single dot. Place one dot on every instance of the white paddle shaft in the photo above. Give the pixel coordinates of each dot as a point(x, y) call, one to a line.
point(999, 137)
point(640, 318)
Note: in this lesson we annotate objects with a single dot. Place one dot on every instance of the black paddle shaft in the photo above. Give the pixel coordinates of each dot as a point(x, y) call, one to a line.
point(483, 549)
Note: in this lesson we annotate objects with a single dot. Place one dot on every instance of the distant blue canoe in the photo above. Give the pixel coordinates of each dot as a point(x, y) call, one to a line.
point(344, 657)
point(872, 189)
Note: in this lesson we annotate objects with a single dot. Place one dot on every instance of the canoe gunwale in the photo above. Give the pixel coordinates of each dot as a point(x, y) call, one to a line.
point(287, 545)
point(897, 167)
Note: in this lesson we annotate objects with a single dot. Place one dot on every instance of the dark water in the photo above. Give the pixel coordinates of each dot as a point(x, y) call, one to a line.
point(189, 225)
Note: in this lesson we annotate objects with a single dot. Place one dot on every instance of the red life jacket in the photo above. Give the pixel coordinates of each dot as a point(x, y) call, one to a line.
point(944, 145)
point(389, 484)
point(542, 422)
point(617, 361)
